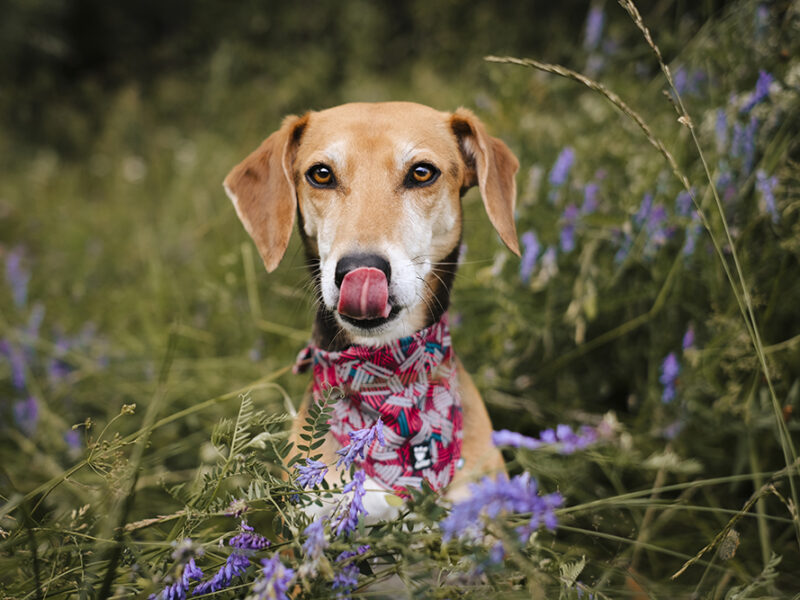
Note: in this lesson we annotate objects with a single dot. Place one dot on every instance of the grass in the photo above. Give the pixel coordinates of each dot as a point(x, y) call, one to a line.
point(149, 294)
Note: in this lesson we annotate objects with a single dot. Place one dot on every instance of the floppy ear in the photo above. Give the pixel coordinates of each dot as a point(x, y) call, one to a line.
point(492, 166)
point(263, 192)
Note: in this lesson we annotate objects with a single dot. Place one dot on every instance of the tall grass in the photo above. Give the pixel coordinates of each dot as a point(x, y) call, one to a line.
point(146, 357)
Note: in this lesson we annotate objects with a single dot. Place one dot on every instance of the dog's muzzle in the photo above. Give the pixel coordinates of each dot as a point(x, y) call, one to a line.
point(363, 282)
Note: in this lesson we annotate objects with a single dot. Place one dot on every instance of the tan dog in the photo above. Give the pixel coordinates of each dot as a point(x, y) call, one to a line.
point(377, 188)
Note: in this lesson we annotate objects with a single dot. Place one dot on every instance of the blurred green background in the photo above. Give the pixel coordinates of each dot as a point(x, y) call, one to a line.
point(120, 120)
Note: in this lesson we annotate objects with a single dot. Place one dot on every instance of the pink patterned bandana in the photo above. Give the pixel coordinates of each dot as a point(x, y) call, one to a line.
point(410, 384)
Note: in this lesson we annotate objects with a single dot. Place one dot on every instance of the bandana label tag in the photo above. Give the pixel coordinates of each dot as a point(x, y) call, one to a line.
point(422, 455)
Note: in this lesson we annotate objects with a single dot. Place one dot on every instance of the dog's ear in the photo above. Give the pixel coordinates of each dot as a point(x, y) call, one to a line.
point(492, 166)
point(263, 192)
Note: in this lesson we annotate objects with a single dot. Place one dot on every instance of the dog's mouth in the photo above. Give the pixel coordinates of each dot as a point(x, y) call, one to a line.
point(371, 323)
point(364, 299)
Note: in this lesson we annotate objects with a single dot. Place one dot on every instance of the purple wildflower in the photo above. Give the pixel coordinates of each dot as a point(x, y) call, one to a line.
point(235, 565)
point(680, 78)
point(349, 520)
point(16, 360)
point(491, 497)
point(657, 230)
point(692, 233)
point(591, 198)
point(35, 319)
point(567, 235)
point(312, 474)
point(670, 369)
point(721, 130)
point(594, 27)
point(26, 414)
point(625, 245)
point(247, 541)
point(760, 93)
point(563, 437)
point(561, 168)
point(766, 188)
point(687, 82)
point(73, 439)
point(360, 440)
point(17, 276)
point(571, 441)
point(683, 203)
point(530, 254)
point(688, 338)
point(497, 553)
point(761, 21)
point(644, 210)
point(346, 580)
point(178, 590)
point(58, 368)
point(743, 145)
point(274, 581)
point(504, 437)
point(316, 542)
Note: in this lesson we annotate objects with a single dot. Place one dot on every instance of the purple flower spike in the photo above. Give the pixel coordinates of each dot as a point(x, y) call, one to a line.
point(591, 198)
point(316, 542)
point(567, 235)
point(489, 498)
point(766, 188)
point(274, 581)
point(644, 210)
point(349, 520)
point(17, 276)
point(312, 474)
point(670, 369)
point(692, 233)
point(683, 203)
point(26, 414)
point(688, 338)
point(360, 441)
point(721, 130)
point(562, 167)
point(743, 145)
point(346, 579)
point(594, 27)
point(761, 92)
point(178, 590)
point(248, 541)
point(16, 359)
point(563, 438)
point(530, 254)
point(504, 437)
point(235, 565)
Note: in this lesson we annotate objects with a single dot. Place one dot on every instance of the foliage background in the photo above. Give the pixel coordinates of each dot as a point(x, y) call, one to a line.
point(120, 120)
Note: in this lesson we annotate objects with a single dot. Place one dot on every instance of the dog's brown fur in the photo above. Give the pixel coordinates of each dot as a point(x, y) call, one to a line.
point(371, 146)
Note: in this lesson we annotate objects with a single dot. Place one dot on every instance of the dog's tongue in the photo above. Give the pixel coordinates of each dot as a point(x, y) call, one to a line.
point(364, 294)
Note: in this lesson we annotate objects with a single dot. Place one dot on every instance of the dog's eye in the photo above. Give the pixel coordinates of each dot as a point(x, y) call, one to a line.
point(421, 174)
point(321, 176)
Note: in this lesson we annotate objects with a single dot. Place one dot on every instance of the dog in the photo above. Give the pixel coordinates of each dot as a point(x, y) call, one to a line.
point(376, 190)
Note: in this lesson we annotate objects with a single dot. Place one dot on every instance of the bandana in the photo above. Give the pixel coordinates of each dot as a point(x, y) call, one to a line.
point(410, 384)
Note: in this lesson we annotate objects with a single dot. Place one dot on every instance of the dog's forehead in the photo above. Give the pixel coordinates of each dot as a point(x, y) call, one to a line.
point(377, 128)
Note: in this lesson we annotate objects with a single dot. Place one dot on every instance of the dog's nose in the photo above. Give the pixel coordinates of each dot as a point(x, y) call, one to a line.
point(351, 262)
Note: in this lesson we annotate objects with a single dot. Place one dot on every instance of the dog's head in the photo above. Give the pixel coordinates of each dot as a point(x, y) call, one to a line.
point(377, 189)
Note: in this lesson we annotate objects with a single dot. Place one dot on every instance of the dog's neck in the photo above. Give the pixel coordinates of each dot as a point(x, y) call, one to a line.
point(328, 335)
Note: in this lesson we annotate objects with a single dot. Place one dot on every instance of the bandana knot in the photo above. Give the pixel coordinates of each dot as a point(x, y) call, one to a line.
point(410, 384)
